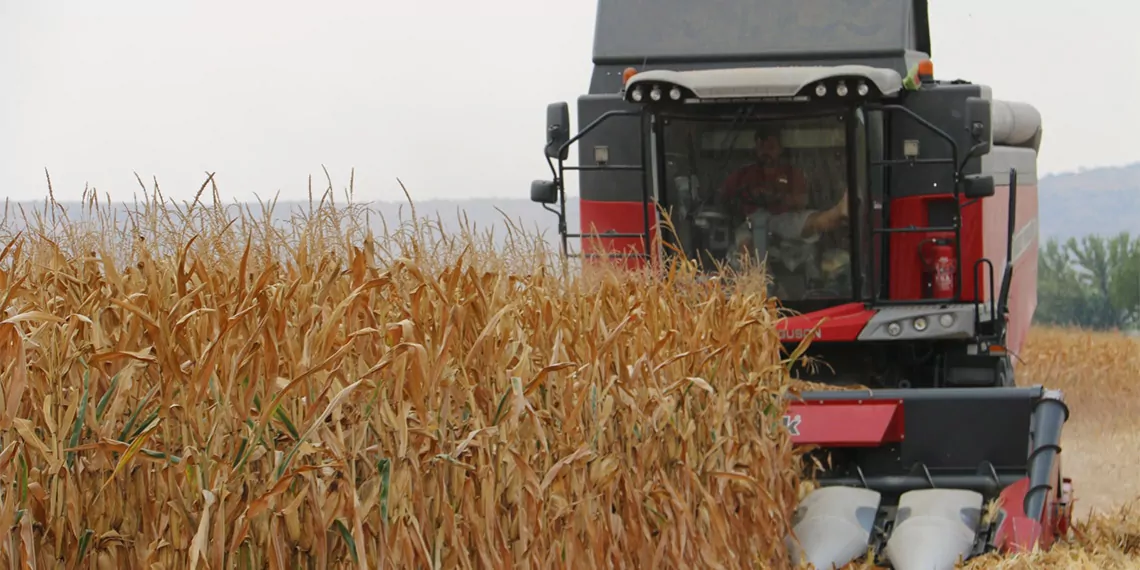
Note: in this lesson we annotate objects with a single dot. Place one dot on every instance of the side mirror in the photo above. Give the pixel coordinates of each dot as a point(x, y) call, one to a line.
point(557, 129)
point(979, 124)
point(978, 186)
point(543, 192)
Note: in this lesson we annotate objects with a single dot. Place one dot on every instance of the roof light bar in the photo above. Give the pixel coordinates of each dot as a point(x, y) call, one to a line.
point(776, 84)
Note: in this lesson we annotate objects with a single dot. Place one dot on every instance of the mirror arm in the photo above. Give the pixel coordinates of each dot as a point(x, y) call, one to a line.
point(973, 153)
point(960, 181)
point(553, 169)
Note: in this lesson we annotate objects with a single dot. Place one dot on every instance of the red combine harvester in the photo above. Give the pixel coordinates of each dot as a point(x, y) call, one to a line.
point(881, 201)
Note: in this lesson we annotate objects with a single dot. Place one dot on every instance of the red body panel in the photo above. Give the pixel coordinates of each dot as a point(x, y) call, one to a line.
point(621, 217)
point(984, 227)
point(1020, 533)
point(1023, 288)
point(845, 423)
point(841, 323)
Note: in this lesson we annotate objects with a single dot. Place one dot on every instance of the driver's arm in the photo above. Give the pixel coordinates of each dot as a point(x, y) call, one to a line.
point(826, 220)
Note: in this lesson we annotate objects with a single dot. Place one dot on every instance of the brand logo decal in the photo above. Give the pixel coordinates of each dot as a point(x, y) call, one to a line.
point(798, 334)
point(792, 423)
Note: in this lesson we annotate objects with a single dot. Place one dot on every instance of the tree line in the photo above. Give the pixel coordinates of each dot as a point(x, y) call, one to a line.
point(1093, 282)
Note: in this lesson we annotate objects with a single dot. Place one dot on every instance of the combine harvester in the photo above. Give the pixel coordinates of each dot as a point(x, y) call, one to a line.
point(923, 289)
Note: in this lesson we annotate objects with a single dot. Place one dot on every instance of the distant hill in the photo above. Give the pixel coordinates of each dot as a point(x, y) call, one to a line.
point(1102, 201)
point(1095, 201)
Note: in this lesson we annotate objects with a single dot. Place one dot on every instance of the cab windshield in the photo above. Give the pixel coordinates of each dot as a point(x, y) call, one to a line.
point(752, 189)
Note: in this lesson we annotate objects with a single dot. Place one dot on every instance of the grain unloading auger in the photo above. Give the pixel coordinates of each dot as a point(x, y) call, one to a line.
point(882, 202)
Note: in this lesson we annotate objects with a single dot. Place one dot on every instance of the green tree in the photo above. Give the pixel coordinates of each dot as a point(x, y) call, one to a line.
point(1093, 282)
point(1062, 299)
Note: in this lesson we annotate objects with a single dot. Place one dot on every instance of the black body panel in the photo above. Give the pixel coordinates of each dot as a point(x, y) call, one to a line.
point(623, 136)
point(899, 364)
point(960, 431)
point(944, 105)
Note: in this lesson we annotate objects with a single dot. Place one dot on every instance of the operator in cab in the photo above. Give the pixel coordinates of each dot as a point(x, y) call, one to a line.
point(773, 185)
point(772, 196)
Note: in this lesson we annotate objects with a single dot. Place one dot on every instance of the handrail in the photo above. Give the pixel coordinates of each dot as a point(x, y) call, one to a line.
point(560, 182)
point(1007, 274)
point(885, 228)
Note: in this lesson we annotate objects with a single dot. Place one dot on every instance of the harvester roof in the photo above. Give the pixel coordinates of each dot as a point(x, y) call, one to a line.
point(633, 31)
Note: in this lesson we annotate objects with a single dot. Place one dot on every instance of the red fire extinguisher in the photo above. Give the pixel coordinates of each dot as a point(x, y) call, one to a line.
point(938, 268)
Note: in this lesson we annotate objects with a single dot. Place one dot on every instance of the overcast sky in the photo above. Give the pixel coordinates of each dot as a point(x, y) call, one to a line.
point(447, 95)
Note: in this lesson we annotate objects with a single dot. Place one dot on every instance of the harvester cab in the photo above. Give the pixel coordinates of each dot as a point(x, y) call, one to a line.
point(895, 215)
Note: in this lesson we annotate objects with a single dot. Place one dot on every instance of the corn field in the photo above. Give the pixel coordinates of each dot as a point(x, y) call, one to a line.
point(195, 387)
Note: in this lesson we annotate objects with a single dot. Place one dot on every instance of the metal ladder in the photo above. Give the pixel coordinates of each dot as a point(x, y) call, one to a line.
point(559, 179)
